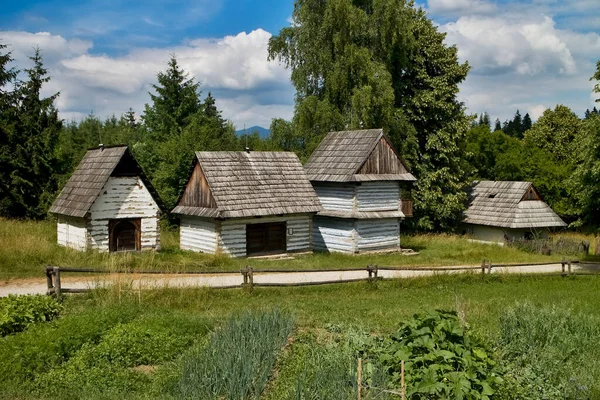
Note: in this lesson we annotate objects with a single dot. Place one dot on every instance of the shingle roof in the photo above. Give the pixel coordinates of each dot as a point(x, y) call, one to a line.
point(341, 154)
point(86, 183)
point(248, 184)
point(501, 204)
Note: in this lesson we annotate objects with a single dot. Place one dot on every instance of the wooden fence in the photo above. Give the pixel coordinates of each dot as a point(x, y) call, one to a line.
point(53, 274)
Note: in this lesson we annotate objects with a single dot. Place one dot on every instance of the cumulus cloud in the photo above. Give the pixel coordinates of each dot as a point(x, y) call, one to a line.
point(460, 7)
point(235, 67)
point(521, 62)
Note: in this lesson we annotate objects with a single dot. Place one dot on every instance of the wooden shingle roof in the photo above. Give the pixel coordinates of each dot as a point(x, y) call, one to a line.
point(341, 155)
point(509, 205)
point(92, 173)
point(250, 184)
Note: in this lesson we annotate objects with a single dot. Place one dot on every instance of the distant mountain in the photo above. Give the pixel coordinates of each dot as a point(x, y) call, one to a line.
point(262, 132)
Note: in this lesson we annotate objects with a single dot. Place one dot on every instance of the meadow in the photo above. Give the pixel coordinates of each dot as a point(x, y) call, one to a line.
point(542, 333)
point(28, 246)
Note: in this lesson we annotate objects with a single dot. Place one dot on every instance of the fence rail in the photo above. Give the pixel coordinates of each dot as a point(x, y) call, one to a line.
point(53, 274)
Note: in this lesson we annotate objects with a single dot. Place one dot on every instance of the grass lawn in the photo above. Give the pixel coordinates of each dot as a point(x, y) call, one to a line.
point(28, 246)
point(98, 347)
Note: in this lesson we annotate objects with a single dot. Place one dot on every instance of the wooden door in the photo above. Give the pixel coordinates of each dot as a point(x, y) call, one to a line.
point(265, 238)
point(125, 234)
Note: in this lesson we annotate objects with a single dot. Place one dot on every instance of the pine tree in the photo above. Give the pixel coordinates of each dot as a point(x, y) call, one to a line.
point(175, 103)
point(596, 77)
point(7, 116)
point(497, 125)
point(33, 163)
point(526, 123)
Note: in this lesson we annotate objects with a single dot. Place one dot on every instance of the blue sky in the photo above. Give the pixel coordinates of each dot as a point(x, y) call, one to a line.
point(103, 55)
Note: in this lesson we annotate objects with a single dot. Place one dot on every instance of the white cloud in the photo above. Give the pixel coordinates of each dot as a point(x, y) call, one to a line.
point(460, 7)
point(235, 66)
point(521, 62)
point(536, 111)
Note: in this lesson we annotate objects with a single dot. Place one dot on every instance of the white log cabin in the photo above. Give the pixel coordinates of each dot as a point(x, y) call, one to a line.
point(508, 210)
point(247, 204)
point(108, 204)
point(359, 179)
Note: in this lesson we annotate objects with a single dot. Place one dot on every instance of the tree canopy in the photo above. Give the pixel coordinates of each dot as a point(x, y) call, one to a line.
point(382, 64)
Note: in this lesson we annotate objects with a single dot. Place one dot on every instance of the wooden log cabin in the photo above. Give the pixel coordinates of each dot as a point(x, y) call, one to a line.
point(247, 204)
point(108, 204)
point(359, 179)
point(508, 210)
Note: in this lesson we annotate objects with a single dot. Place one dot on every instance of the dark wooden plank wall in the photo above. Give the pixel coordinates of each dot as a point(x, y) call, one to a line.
point(532, 194)
point(197, 192)
point(383, 160)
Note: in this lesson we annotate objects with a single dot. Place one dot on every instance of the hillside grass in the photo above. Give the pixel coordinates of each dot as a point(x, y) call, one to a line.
point(26, 247)
point(99, 347)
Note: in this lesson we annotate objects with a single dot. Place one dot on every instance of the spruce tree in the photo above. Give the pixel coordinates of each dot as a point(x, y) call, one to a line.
point(7, 116)
point(497, 125)
point(33, 164)
point(526, 123)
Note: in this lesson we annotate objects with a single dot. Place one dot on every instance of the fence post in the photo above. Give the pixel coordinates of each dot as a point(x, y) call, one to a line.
point(49, 270)
point(483, 266)
point(359, 377)
point(570, 273)
point(57, 288)
point(490, 267)
point(370, 271)
point(562, 263)
point(244, 272)
point(251, 278)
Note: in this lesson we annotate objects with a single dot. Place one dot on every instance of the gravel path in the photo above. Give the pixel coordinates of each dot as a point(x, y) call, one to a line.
point(38, 286)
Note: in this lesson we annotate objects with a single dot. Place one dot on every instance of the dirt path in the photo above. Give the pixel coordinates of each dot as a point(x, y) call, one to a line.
point(38, 286)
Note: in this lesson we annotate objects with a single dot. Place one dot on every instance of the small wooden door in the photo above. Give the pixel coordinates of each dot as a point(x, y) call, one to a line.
point(125, 234)
point(265, 238)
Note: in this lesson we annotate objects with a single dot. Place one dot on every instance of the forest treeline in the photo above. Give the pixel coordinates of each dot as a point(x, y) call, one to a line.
point(355, 64)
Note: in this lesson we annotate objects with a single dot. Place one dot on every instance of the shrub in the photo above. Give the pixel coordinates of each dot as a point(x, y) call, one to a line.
point(238, 360)
point(17, 313)
point(441, 360)
point(108, 365)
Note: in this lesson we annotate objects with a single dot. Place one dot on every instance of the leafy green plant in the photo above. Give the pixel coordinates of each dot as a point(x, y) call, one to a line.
point(19, 312)
point(238, 360)
point(441, 360)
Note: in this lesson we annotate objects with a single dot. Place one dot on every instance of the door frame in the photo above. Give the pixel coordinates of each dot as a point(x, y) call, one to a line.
point(112, 224)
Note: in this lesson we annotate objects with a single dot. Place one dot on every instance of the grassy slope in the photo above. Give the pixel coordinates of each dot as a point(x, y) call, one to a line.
point(377, 308)
point(27, 246)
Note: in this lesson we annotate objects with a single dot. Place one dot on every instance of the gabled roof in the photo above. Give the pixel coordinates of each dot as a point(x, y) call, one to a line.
point(91, 175)
point(341, 155)
point(251, 184)
point(506, 204)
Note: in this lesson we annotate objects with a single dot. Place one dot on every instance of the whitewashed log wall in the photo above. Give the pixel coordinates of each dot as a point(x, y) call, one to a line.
point(198, 234)
point(124, 197)
point(72, 232)
point(377, 234)
point(378, 196)
point(229, 236)
point(232, 238)
point(334, 235)
point(336, 196)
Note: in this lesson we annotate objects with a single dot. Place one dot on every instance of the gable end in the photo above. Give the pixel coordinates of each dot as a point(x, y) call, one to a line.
point(197, 191)
point(382, 160)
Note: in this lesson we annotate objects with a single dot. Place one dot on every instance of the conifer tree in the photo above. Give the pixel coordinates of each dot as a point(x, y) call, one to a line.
point(7, 115)
point(526, 123)
point(497, 125)
point(32, 142)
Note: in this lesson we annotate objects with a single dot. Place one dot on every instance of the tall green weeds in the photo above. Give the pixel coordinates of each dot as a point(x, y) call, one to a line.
point(238, 360)
point(551, 352)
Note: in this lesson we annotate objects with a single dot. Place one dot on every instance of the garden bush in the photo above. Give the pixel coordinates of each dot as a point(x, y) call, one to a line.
point(238, 360)
point(17, 313)
point(441, 359)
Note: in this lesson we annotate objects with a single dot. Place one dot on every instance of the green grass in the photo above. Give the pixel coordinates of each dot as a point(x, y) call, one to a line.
point(95, 348)
point(28, 246)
